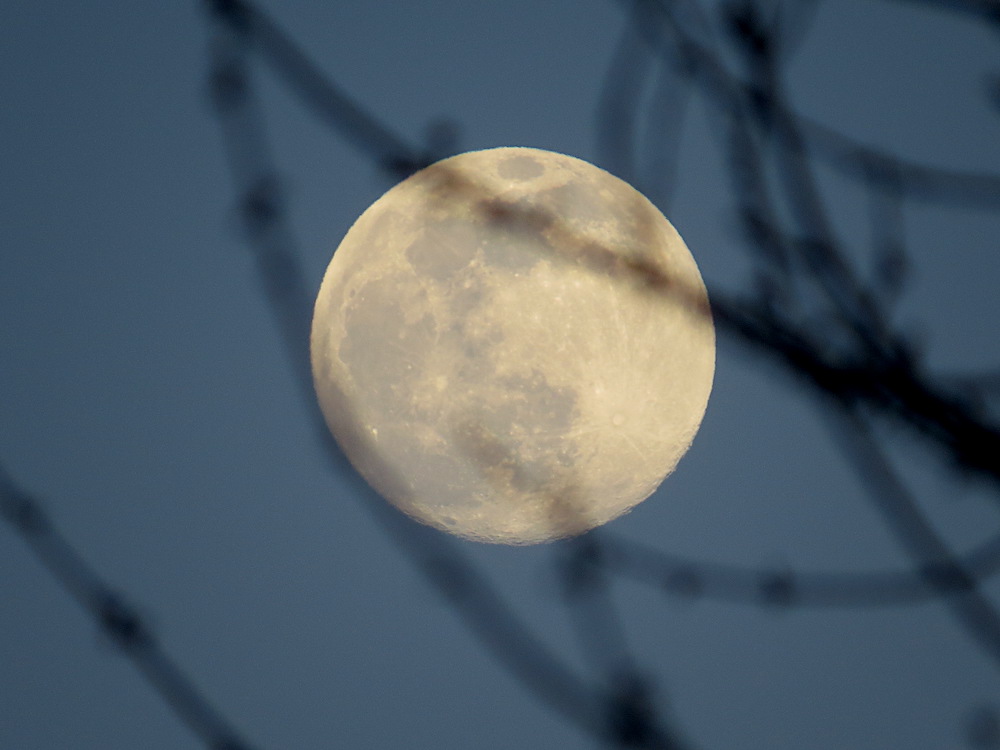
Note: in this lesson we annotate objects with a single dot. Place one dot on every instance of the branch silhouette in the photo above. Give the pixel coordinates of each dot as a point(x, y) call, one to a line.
point(624, 719)
point(119, 620)
point(809, 313)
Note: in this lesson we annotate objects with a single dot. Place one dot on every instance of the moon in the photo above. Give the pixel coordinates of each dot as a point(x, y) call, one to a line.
point(513, 346)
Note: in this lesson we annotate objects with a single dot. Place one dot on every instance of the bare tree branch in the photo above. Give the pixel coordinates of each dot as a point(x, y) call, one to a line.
point(119, 620)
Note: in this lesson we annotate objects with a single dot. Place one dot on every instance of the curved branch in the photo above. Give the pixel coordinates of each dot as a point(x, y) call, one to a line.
point(884, 380)
point(318, 92)
point(694, 579)
point(117, 619)
point(912, 180)
point(956, 584)
point(472, 595)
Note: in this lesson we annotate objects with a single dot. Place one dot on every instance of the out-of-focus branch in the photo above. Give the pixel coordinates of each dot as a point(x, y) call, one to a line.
point(652, 166)
point(116, 618)
point(617, 110)
point(847, 353)
point(957, 585)
point(685, 578)
point(888, 238)
point(617, 716)
point(887, 382)
point(317, 91)
point(911, 180)
point(878, 369)
point(981, 10)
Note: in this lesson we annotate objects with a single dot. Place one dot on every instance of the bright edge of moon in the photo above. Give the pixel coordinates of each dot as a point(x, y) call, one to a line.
point(513, 346)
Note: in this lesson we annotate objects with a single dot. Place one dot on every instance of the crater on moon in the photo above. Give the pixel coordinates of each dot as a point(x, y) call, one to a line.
point(513, 345)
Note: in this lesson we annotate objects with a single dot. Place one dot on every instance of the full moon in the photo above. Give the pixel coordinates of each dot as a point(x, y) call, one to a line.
point(513, 346)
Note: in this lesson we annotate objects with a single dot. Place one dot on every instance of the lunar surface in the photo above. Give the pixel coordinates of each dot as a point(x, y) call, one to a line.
point(513, 346)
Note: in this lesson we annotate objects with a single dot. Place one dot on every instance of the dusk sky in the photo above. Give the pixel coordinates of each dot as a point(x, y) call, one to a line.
point(147, 401)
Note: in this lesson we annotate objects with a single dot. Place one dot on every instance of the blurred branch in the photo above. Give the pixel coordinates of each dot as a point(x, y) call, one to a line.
point(888, 382)
point(261, 205)
point(116, 618)
point(980, 384)
point(838, 342)
point(876, 368)
point(981, 10)
point(793, 21)
point(682, 577)
point(651, 168)
point(876, 374)
point(621, 95)
point(888, 238)
point(615, 717)
point(849, 355)
point(665, 117)
point(911, 180)
point(956, 584)
point(316, 90)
